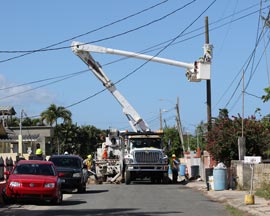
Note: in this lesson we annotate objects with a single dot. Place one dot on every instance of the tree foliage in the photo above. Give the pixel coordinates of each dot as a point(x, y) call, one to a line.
point(53, 113)
point(172, 142)
point(223, 137)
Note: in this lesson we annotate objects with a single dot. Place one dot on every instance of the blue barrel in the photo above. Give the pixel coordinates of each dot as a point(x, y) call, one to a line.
point(182, 170)
point(194, 171)
point(170, 170)
point(220, 179)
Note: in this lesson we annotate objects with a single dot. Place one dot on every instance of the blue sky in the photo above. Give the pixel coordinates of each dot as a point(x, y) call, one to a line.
point(34, 81)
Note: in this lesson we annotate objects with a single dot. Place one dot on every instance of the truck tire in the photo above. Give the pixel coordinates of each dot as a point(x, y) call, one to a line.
point(127, 177)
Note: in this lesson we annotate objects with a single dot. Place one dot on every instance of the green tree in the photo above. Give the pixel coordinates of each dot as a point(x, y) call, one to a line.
point(54, 113)
point(266, 97)
point(89, 139)
point(223, 137)
point(171, 142)
point(51, 117)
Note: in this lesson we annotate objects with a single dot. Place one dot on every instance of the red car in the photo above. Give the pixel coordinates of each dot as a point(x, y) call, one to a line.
point(33, 180)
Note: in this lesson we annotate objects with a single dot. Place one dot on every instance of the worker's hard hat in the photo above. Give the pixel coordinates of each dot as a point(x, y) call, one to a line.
point(38, 152)
point(89, 156)
point(66, 153)
point(173, 155)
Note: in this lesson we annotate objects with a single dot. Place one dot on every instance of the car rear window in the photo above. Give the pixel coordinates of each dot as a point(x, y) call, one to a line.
point(66, 162)
point(35, 169)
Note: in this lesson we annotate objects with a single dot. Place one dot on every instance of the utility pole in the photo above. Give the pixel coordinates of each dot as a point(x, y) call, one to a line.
point(242, 139)
point(179, 126)
point(160, 120)
point(208, 83)
point(20, 151)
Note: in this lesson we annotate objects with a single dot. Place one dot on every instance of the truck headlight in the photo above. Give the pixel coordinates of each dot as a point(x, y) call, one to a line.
point(128, 160)
point(165, 160)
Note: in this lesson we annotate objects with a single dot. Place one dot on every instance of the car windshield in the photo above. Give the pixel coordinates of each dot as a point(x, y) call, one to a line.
point(66, 162)
point(35, 169)
point(142, 143)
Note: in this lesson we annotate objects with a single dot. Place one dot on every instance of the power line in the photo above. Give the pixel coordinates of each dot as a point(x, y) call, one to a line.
point(145, 61)
point(156, 47)
point(104, 89)
point(28, 90)
point(248, 63)
point(103, 39)
point(47, 79)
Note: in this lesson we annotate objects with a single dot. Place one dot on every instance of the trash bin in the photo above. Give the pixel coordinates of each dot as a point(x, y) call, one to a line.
point(170, 170)
point(220, 177)
point(208, 172)
point(194, 171)
point(182, 169)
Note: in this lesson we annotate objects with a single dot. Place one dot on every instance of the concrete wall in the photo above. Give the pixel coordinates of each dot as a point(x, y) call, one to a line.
point(243, 174)
point(45, 134)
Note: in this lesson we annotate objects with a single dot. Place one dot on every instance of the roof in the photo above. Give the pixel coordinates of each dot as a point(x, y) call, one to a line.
point(3, 132)
point(12, 137)
point(7, 110)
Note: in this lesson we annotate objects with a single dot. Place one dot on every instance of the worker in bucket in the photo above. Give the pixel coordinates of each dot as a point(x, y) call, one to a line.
point(175, 168)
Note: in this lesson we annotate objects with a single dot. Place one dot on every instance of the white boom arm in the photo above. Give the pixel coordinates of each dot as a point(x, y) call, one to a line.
point(197, 71)
point(136, 122)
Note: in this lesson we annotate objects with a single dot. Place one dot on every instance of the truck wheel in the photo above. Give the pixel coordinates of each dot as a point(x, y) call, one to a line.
point(127, 177)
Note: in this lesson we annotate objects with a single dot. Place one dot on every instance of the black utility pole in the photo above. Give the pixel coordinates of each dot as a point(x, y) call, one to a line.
point(208, 83)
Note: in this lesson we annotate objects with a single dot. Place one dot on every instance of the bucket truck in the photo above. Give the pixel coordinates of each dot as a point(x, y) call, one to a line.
point(142, 154)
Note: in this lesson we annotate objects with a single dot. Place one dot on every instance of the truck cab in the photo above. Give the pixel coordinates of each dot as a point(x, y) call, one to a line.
point(144, 157)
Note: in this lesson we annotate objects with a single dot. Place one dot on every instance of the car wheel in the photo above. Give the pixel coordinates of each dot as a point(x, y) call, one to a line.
point(82, 188)
point(58, 200)
point(5, 198)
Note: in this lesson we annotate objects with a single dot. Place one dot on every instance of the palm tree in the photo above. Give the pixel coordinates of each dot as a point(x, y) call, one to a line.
point(51, 116)
point(53, 113)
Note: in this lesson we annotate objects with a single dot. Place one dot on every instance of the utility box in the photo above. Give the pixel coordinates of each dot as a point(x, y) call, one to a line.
point(204, 71)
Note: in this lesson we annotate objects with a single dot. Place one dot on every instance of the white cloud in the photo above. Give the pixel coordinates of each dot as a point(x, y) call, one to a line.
point(12, 93)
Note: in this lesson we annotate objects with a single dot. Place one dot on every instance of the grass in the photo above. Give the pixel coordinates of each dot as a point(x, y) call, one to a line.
point(264, 191)
point(236, 212)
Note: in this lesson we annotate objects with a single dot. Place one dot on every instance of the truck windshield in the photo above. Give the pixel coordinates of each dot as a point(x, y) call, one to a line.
point(145, 142)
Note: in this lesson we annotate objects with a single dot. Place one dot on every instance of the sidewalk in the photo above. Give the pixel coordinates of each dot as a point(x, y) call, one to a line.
point(235, 198)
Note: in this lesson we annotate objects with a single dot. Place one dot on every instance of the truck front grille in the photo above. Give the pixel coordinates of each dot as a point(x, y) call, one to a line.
point(147, 157)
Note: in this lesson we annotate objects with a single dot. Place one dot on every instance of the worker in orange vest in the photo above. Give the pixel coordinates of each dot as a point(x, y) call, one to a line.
point(105, 153)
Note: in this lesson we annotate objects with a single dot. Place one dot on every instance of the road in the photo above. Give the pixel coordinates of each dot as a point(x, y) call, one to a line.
point(141, 199)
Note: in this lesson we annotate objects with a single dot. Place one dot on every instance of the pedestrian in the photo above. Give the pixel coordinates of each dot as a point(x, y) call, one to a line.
point(175, 168)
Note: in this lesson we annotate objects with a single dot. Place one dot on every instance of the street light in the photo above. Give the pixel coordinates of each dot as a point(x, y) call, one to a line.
point(20, 139)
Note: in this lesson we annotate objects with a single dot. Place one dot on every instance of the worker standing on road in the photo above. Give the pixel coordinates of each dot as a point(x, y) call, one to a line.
point(88, 162)
point(38, 155)
point(175, 168)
